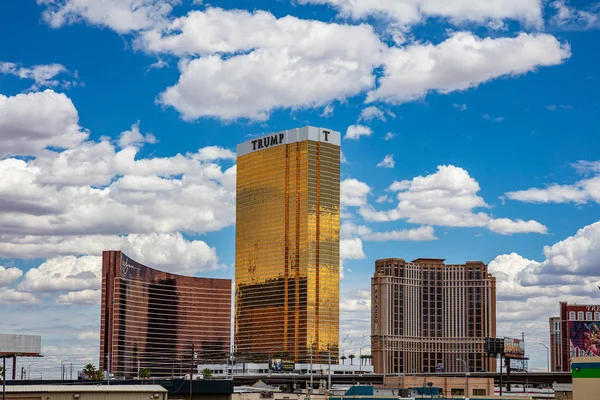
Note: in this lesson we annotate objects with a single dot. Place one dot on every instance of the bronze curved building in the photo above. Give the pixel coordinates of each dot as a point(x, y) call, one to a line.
point(152, 319)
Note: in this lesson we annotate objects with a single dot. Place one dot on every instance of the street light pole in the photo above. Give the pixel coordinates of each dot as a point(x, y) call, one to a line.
point(466, 377)
point(360, 356)
point(547, 356)
point(62, 370)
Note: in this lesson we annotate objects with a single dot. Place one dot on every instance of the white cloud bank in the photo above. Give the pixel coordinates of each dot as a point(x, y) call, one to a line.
point(239, 64)
point(461, 62)
point(410, 12)
point(447, 197)
point(43, 75)
point(581, 192)
point(31, 122)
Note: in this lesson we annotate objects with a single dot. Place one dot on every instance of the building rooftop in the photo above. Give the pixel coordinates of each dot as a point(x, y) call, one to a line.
point(84, 388)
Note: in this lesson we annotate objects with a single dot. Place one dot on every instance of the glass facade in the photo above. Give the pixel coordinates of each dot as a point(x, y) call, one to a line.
point(287, 246)
point(151, 319)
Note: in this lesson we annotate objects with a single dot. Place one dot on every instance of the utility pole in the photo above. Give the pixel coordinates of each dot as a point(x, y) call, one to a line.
point(192, 373)
point(108, 370)
point(4, 378)
point(500, 374)
point(329, 373)
point(311, 371)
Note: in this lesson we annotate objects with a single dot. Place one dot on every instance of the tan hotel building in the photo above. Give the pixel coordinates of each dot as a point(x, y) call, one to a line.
point(287, 246)
point(428, 316)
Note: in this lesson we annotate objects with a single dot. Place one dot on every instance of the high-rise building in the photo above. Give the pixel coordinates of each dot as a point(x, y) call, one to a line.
point(577, 335)
point(427, 316)
point(287, 246)
point(153, 319)
point(555, 344)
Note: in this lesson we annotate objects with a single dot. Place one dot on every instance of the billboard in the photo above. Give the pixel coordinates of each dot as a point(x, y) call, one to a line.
point(494, 346)
point(280, 365)
point(514, 348)
point(584, 338)
point(26, 345)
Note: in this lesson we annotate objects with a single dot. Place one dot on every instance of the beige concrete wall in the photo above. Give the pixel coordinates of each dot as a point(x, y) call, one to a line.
point(444, 383)
point(585, 388)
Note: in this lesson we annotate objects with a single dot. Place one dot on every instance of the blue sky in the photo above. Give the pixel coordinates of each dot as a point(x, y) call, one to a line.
point(119, 125)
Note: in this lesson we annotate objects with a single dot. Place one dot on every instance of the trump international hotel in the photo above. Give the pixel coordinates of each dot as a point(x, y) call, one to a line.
point(287, 246)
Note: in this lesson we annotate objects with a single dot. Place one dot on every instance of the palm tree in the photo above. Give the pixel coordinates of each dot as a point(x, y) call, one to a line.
point(98, 376)
point(144, 373)
point(2, 372)
point(351, 357)
point(206, 373)
point(89, 371)
point(343, 358)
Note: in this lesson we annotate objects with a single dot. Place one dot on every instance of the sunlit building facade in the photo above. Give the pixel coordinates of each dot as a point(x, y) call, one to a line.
point(287, 246)
point(576, 333)
point(156, 320)
point(428, 316)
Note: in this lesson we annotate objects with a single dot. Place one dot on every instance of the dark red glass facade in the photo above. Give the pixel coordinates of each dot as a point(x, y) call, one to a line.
point(152, 319)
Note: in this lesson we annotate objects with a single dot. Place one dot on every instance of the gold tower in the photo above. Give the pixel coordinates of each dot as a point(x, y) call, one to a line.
point(287, 246)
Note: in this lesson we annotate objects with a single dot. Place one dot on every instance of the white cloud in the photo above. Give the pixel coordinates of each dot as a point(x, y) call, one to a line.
point(172, 253)
point(214, 153)
point(412, 12)
point(447, 197)
point(492, 119)
point(343, 158)
point(354, 132)
point(389, 136)
point(158, 64)
point(327, 111)
point(461, 107)
point(568, 17)
point(82, 297)
point(382, 199)
point(43, 75)
point(422, 233)
point(370, 113)
point(349, 230)
point(354, 193)
point(351, 249)
point(59, 193)
point(387, 162)
point(529, 290)
point(33, 121)
point(461, 62)
point(576, 255)
point(9, 275)
point(67, 273)
point(274, 63)
point(12, 296)
point(581, 192)
point(122, 16)
point(89, 335)
point(505, 226)
point(134, 137)
point(587, 167)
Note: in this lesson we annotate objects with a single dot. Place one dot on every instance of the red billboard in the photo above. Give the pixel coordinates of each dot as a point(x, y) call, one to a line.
point(514, 348)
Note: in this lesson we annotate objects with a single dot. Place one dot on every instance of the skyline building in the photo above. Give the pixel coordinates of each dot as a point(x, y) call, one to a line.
point(555, 344)
point(427, 316)
point(287, 246)
point(153, 319)
point(576, 333)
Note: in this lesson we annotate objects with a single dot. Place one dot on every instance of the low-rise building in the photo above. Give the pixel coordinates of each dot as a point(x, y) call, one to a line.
point(86, 392)
point(450, 386)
